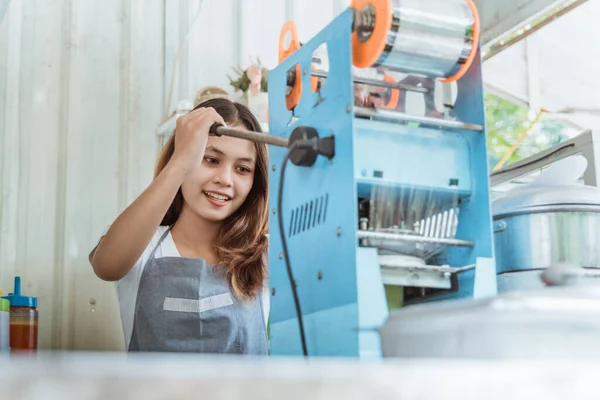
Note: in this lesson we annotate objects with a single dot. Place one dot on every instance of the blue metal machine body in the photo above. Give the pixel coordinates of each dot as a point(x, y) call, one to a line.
point(339, 283)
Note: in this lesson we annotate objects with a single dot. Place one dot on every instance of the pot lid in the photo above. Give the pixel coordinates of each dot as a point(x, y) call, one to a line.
point(550, 300)
point(533, 197)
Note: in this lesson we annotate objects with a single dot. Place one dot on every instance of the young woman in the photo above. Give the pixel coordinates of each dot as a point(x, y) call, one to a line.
point(189, 254)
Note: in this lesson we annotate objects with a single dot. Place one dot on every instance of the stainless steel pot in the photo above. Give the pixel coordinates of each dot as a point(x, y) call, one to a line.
point(543, 226)
point(554, 323)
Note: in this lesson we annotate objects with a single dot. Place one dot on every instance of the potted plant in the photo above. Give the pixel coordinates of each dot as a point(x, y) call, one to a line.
point(252, 83)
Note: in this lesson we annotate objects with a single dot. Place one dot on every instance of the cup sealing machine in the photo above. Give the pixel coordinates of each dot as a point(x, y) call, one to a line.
point(379, 206)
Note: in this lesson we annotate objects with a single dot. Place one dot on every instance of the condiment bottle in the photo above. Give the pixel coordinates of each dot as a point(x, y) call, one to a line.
point(23, 320)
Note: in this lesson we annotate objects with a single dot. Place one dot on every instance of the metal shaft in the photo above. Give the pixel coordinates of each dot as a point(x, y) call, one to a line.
point(402, 117)
point(251, 135)
point(377, 82)
point(291, 79)
point(414, 238)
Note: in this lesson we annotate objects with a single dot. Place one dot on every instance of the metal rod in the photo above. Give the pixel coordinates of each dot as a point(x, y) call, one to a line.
point(413, 238)
point(401, 117)
point(465, 268)
point(253, 136)
point(393, 261)
point(377, 82)
point(429, 268)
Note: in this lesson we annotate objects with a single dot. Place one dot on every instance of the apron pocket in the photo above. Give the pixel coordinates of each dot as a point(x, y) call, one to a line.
point(197, 306)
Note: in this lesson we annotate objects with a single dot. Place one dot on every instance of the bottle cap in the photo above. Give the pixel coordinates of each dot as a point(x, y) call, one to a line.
point(18, 300)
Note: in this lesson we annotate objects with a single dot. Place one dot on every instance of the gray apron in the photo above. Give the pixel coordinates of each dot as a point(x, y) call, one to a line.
point(186, 305)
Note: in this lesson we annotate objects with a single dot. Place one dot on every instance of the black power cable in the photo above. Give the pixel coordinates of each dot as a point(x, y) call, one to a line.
point(288, 266)
point(311, 147)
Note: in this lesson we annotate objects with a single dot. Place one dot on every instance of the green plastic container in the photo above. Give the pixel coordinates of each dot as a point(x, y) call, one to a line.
point(4, 325)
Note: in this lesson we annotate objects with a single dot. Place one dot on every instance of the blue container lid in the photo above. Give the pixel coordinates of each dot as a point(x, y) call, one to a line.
point(17, 300)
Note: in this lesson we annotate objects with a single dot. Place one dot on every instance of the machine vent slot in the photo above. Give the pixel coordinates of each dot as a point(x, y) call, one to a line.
point(308, 215)
point(292, 222)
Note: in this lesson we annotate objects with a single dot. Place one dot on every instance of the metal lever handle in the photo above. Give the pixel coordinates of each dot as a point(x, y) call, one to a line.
point(213, 131)
point(221, 130)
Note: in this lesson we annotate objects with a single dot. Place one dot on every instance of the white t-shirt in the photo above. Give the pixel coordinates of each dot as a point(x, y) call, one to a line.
point(127, 287)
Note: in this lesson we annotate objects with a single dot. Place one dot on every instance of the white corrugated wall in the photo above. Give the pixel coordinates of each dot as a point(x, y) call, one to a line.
point(83, 87)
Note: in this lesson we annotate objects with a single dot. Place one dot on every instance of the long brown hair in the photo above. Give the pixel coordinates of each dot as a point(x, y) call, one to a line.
point(242, 243)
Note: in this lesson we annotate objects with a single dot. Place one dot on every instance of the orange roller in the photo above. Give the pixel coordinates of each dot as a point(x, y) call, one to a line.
point(285, 52)
point(293, 97)
point(386, 35)
point(395, 94)
point(366, 53)
point(476, 33)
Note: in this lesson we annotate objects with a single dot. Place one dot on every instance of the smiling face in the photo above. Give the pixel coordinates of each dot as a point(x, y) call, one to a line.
point(222, 182)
